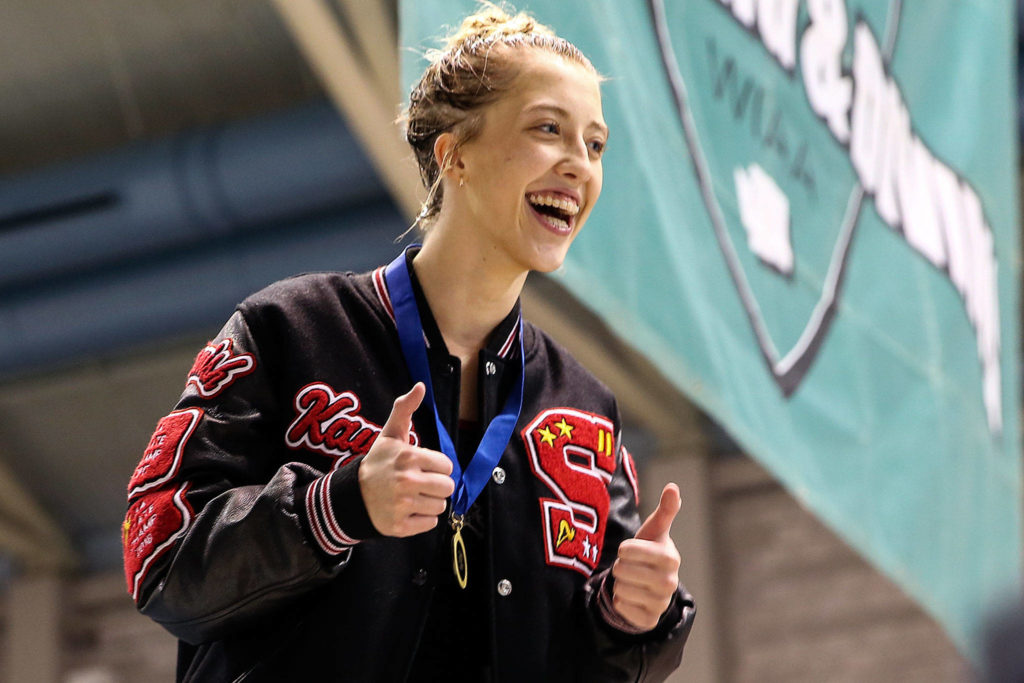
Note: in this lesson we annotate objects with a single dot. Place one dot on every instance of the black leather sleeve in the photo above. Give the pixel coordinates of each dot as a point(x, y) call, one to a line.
point(624, 656)
point(218, 532)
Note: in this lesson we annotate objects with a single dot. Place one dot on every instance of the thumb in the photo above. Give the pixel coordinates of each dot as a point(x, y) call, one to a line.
point(657, 526)
point(400, 419)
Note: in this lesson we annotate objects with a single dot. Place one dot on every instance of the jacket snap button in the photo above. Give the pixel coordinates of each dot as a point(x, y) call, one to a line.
point(504, 587)
point(498, 475)
point(420, 577)
point(490, 368)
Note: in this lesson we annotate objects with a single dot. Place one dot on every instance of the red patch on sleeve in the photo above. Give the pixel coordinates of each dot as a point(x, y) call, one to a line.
point(572, 452)
point(150, 528)
point(217, 367)
point(162, 457)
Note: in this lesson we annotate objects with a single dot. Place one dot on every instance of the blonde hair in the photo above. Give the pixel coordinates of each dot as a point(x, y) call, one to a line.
point(475, 66)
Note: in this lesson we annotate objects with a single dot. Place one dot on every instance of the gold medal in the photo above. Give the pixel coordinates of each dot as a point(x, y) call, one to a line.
point(459, 552)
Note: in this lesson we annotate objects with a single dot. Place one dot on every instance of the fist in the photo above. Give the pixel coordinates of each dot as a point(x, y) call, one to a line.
point(404, 487)
point(646, 570)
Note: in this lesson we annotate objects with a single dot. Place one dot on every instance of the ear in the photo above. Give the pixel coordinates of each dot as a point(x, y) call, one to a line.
point(446, 154)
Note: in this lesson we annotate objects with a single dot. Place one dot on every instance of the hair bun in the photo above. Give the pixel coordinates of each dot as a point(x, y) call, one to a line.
point(492, 23)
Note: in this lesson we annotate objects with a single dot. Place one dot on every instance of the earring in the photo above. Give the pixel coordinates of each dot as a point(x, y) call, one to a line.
point(462, 181)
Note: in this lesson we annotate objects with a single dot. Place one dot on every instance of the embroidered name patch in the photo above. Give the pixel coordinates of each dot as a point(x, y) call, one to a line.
point(158, 512)
point(572, 452)
point(329, 423)
point(217, 367)
point(162, 457)
point(154, 521)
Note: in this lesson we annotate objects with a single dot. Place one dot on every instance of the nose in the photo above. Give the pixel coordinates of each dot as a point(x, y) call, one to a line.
point(576, 163)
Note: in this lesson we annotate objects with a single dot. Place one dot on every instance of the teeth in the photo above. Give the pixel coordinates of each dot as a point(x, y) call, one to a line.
point(557, 222)
point(569, 206)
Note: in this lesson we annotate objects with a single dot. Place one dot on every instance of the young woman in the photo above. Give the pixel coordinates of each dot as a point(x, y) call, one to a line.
point(292, 519)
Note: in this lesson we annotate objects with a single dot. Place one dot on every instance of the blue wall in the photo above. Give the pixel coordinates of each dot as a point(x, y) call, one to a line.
point(162, 240)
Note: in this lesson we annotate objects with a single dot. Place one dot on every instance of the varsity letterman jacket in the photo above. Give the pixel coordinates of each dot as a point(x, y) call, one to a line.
point(247, 538)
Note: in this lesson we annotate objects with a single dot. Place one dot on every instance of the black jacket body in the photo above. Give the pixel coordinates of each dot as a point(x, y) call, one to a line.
point(247, 538)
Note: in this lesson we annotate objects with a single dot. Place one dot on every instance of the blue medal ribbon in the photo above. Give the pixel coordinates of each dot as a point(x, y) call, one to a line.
point(471, 482)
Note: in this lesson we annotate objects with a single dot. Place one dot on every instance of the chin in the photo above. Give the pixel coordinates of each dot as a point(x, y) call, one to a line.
point(548, 262)
point(547, 268)
point(541, 251)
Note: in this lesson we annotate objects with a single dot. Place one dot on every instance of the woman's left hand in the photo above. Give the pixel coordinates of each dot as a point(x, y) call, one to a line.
point(647, 566)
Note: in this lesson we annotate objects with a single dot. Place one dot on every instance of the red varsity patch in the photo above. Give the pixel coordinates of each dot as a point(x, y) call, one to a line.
point(217, 367)
point(150, 528)
point(162, 456)
point(573, 452)
point(329, 423)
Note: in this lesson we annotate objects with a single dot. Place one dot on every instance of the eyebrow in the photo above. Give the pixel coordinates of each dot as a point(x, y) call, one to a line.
point(564, 113)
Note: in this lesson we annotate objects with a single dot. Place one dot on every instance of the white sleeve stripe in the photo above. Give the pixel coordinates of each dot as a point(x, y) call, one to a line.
point(332, 521)
point(322, 540)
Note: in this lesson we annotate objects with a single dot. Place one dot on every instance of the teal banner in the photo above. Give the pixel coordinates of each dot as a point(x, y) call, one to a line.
point(809, 224)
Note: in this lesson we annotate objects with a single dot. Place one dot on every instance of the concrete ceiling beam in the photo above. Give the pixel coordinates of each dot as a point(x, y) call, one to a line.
point(377, 35)
point(27, 533)
point(356, 92)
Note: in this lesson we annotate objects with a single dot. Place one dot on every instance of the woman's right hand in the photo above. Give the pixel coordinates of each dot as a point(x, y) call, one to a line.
point(405, 488)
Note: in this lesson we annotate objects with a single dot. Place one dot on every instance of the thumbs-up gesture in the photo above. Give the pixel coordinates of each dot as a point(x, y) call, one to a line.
point(404, 487)
point(647, 566)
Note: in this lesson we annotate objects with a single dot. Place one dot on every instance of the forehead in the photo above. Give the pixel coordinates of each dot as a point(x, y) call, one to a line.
point(547, 77)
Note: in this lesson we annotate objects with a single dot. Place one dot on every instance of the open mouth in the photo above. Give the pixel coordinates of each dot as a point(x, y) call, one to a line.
point(557, 211)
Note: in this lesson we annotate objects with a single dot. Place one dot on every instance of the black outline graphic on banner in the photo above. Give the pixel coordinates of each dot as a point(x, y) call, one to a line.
point(788, 370)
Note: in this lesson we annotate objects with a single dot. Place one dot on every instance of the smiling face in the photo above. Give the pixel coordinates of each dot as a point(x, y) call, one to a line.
point(533, 172)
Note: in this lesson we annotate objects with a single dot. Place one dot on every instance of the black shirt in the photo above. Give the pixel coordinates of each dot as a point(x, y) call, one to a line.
point(456, 640)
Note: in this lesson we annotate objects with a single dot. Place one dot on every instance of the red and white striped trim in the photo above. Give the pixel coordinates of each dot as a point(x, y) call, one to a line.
point(332, 520)
point(326, 530)
point(380, 284)
point(506, 348)
point(381, 287)
point(630, 468)
point(382, 291)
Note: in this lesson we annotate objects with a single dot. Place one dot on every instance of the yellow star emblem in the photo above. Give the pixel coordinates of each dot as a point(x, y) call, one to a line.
point(565, 428)
point(546, 436)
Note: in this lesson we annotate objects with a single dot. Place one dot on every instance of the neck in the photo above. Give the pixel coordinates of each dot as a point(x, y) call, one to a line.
point(469, 292)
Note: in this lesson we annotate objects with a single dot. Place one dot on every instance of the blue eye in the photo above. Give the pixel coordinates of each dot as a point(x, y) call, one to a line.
point(596, 146)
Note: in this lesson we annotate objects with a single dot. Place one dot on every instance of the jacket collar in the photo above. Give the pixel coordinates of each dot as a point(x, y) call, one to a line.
point(501, 342)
